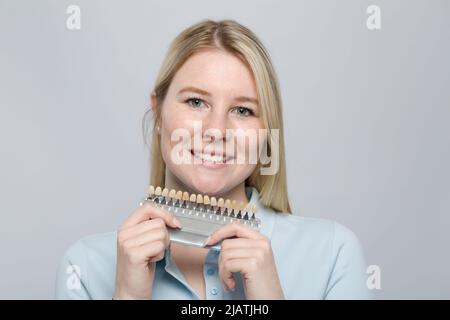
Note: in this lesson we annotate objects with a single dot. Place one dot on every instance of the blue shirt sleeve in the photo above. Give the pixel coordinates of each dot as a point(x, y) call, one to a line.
point(71, 279)
point(348, 277)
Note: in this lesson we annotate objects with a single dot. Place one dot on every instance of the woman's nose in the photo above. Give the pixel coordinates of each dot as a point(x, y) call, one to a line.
point(215, 125)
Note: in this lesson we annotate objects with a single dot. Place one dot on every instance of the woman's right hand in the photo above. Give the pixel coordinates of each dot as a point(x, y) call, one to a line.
point(141, 241)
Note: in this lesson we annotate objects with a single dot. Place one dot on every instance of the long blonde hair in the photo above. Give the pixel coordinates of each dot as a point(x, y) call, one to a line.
point(235, 38)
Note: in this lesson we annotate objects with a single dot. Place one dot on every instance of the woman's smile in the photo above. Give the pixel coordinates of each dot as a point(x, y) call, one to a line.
point(211, 160)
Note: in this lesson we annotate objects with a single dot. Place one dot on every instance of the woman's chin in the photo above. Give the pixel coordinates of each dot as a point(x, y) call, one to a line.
point(213, 187)
point(209, 184)
point(207, 181)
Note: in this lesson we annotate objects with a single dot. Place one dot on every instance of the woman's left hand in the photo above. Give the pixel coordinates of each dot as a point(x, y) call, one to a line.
point(250, 253)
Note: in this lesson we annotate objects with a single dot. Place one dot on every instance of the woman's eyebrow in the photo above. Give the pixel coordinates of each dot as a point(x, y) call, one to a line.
point(246, 99)
point(206, 93)
point(194, 89)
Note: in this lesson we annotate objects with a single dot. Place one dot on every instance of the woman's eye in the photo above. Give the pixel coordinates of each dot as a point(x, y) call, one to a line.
point(194, 102)
point(243, 111)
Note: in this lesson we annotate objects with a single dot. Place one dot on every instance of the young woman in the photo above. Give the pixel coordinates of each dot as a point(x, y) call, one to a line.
point(220, 75)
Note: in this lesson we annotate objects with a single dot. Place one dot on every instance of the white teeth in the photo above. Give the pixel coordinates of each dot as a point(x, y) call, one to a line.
point(210, 158)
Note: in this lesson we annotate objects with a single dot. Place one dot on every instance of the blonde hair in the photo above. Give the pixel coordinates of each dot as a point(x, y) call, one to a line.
point(232, 37)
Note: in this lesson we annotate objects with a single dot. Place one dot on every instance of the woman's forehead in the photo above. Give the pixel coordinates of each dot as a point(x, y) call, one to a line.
point(216, 72)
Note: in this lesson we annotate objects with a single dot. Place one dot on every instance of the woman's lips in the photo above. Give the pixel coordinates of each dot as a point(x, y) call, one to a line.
point(211, 160)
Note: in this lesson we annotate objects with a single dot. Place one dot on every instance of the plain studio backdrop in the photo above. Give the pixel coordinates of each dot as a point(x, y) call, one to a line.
point(366, 117)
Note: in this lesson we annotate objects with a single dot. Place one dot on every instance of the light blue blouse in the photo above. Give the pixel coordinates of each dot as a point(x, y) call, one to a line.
point(315, 259)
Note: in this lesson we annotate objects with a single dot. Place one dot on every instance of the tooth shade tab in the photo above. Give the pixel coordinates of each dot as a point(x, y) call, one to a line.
point(204, 207)
point(151, 190)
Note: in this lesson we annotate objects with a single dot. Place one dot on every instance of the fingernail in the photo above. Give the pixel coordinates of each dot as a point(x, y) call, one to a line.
point(177, 222)
point(206, 241)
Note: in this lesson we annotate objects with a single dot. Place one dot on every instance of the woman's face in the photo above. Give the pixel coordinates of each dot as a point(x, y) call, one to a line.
point(212, 92)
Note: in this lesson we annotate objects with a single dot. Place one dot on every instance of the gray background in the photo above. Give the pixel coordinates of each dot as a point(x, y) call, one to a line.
point(366, 118)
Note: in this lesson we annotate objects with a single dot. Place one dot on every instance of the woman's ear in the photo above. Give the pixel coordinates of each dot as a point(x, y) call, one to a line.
point(154, 102)
point(155, 108)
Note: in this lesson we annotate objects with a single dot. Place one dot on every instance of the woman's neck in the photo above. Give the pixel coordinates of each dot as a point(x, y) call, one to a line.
point(237, 193)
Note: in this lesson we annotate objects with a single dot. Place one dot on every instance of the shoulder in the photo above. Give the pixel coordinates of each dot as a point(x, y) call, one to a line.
point(327, 257)
point(96, 245)
point(87, 268)
point(317, 230)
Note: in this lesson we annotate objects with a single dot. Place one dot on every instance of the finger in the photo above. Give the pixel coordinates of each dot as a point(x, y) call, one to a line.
point(158, 257)
point(226, 269)
point(226, 277)
point(150, 211)
point(240, 243)
point(237, 253)
point(144, 254)
point(147, 237)
point(142, 227)
point(232, 254)
point(234, 229)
